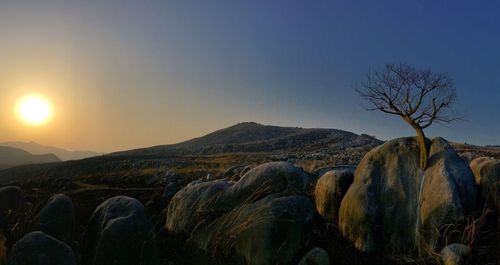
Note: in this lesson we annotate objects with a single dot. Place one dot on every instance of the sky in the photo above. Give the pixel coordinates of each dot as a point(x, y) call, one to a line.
point(127, 74)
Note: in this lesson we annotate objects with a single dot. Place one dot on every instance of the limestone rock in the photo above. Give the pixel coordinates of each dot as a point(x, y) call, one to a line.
point(487, 174)
point(329, 192)
point(455, 254)
point(316, 256)
point(264, 218)
point(57, 218)
point(393, 205)
point(38, 248)
point(120, 232)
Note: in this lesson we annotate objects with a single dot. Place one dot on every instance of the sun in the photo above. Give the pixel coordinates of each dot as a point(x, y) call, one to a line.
point(35, 110)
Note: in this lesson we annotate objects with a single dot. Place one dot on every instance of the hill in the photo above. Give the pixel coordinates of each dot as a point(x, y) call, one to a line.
point(254, 137)
point(37, 149)
point(10, 157)
point(244, 143)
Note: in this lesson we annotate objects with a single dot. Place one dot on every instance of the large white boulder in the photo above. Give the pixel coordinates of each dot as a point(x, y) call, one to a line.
point(394, 206)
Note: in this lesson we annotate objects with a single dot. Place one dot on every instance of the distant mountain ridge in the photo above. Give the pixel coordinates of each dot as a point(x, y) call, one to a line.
point(37, 149)
point(10, 157)
point(254, 137)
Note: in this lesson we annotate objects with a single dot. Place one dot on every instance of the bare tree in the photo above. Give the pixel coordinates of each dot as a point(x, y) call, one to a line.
point(420, 97)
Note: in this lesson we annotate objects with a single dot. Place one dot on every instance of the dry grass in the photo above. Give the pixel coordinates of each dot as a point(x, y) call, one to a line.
point(223, 231)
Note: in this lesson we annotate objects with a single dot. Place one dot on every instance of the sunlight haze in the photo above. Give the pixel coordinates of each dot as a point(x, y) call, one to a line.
point(128, 74)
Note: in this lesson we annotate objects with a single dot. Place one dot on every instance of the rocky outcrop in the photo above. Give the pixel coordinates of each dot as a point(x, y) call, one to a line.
point(264, 218)
point(487, 174)
point(455, 254)
point(394, 206)
point(329, 192)
point(120, 232)
point(57, 218)
point(38, 248)
point(316, 256)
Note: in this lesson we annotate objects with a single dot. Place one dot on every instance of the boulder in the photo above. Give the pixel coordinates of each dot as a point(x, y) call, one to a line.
point(11, 198)
point(209, 177)
point(455, 254)
point(264, 218)
point(316, 256)
point(120, 232)
point(269, 231)
point(322, 170)
point(329, 192)
point(194, 204)
point(278, 178)
point(38, 248)
point(487, 174)
point(57, 218)
point(170, 189)
point(394, 206)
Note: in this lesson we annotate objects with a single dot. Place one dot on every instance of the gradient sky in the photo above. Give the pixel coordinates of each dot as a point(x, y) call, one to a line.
point(126, 74)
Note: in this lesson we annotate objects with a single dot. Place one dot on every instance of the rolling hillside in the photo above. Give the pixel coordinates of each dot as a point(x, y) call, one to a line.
point(10, 157)
point(38, 149)
point(254, 137)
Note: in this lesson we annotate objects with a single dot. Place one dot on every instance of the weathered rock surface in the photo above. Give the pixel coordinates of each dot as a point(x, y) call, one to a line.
point(264, 218)
point(329, 192)
point(487, 173)
point(120, 232)
point(38, 248)
point(57, 218)
point(316, 256)
point(455, 254)
point(393, 205)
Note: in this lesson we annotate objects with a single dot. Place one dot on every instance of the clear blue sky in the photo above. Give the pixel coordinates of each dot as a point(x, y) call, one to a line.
point(126, 74)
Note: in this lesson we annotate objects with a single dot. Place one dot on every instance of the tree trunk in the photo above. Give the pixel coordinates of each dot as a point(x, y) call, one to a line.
point(422, 144)
point(424, 152)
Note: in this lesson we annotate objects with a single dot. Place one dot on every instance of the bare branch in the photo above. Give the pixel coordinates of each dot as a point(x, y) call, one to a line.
point(422, 97)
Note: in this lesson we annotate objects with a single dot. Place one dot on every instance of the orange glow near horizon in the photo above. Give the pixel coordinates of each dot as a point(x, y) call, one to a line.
point(34, 110)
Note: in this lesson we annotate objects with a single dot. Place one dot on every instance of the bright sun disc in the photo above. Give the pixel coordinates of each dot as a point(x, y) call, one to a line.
point(35, 110)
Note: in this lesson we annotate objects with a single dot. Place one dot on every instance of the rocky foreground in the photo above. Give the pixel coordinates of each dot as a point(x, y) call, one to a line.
point(384, 211)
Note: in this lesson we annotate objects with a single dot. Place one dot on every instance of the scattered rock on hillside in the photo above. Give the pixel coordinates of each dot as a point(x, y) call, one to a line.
point(455, 254)
point(120, 232)
point(329, 192)
point(38, 248)
point(263, 218)
point(487, 173)
point(316, 256)
point(392, 202)
point(57, 218)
